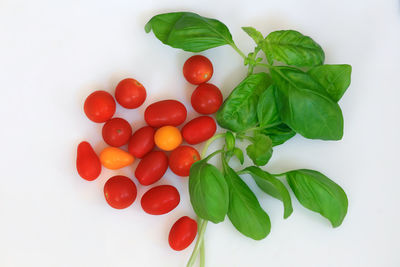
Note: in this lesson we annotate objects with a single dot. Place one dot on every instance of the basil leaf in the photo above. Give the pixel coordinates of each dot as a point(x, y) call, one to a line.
point(335, 79)
point(292, 48)
point(189, 31)
point(272, 186)
point(209, 193)
point(260, 151)
point(239, 110)
point(245, 211)
point(318, 193)
point(229, 140)
point(239, 154)
point(267, 111)
point(254, 34)
point(279, 134)
point(305, 107)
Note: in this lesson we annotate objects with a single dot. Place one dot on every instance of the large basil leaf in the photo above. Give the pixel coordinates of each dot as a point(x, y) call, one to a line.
point(260, 151)
point(335, 79)
point(189, 31)
point(245, 211)
point(209, 193)
point(279, 134)
point(292, 48)
point(239, 110)
point(267, 111)
point(318, 193)
point(272, 186)
point(304, 105)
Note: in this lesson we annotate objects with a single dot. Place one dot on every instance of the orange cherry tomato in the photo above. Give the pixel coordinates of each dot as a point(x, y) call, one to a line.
point(168, 138)
point(115, 158)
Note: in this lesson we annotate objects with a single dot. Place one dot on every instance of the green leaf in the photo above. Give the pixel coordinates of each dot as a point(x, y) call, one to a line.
point(292, 48)
point(279, 134)
point(209, 193)
point(189, 31)
point(304, 105)
point(254, 34)
point(335, 79)
point(245, 211)
point(239, 154)
point(272, 186)
point(239, 110)
point(318, 193)
point(267, 110)
point(229, 141)
point(260, 151)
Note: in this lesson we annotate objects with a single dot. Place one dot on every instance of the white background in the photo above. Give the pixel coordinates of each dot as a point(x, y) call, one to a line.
point(54, 53)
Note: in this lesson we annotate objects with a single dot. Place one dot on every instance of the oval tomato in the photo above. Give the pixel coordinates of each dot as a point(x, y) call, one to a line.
point(130, 93)
point(116, 132)
point(160, 199)
point(199, 129)
point(87, 162)
point(142, 142)
point(182, 233)
point(181, 159)
point(165, 112)
point(206, 98)
point(151, 168)
point(99, 106)
point(198, 69)
point(114, 158)
point(120, 192)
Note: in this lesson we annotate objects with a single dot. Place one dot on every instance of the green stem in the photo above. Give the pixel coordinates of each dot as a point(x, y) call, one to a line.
point(202, 229)
point(238, 50)
point(202, 254)
point(208, 143)
point(265, 65)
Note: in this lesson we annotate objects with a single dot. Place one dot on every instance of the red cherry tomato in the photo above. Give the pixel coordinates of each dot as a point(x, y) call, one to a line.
point(99, 106)
point(120, 192)
point(141, 142)
point(165, 112)
point(160, 199)
point(87, 162)
point(130, 93)
point(151, 168)
point(181, 159)
point(199, 129)
point(197, 69)
point(206, 98)
point(182, 233)
point(116, 132)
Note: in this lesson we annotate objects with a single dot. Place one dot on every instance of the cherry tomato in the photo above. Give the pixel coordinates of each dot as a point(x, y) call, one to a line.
point(99, 106)
point(120, 192)
point(87, 162)
point(165, 112)
point(206, 98)
point(168, 138)
point(141, 142)
point(198, 69)
point(116, 132)
point(115, 158)
point(160, 199)
point(151, 168)
point(199, 129)
point(182, 233)
point(181, 159)
point(130, 93)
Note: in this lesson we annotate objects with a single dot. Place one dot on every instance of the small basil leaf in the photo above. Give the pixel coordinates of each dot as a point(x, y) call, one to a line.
point(254, 34)
point(245, 211)
point(209, 193)
point(279, 134)
point(229, 141)
point(239, 154)
point(272, 186)
point(267, 111)
point(189, 31)
point(318, 193)
point(239, 110)
point(260, 151)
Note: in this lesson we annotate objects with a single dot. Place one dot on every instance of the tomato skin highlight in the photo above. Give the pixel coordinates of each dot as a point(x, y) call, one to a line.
point(151, 168)
point(88, 163)
point(116, 132)
point(142, 142)
point(165, 112)
point(120, 192)
point(168, 138)
point(114, 158)
point(182, 233)
point(160, 199)
point(99, 106)
point(206, 99)
point(198, 69)
point(181, 159)
point(199, 130)
point(130, 93)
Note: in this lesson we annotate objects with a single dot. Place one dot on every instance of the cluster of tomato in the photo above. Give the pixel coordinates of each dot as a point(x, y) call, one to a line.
point(162, 119)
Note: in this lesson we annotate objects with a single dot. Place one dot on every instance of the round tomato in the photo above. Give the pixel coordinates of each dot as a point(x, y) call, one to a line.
point(120, 192)
point(141, 142)
point(182, 233)
point(130, 93)
point(116, 132)
point(198, 69)
point(181, 159)
point(87, 162)
point(151, 168)
point(168, 138)
point(160, 199)
point(99, 106)
point(206, 98)
point(199, 130)
point(165, 112)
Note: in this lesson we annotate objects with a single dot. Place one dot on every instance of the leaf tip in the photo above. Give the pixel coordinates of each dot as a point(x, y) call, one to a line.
point(147, 27)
